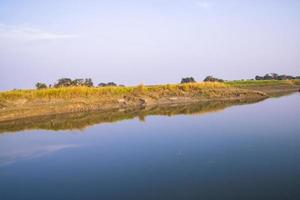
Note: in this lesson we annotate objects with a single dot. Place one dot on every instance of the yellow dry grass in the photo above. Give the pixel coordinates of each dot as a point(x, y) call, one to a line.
point(85, 92)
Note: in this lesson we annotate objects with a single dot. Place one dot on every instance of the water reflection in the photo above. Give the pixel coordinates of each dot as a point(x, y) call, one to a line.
point(80, 121)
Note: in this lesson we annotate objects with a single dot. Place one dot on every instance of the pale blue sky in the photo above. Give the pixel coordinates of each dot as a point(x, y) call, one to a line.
point(154, 41)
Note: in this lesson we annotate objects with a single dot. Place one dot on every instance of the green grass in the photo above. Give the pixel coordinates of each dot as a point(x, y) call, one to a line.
point(250, 83)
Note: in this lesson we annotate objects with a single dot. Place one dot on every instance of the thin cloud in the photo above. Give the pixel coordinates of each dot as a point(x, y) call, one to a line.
point(13, 156)
point(203, 4)
point(28, 33)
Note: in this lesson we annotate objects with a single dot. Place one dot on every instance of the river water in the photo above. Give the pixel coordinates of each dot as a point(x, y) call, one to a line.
point(246, 151)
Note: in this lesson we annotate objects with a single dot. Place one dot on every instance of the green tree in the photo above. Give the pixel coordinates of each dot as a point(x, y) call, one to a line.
point(88, 82)
point(63, 82)
point(78, 82)
point(188, 80)
point(40, 85)
point(212, 79)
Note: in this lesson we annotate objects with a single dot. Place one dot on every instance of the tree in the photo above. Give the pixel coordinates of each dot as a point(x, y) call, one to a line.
point(259, 78)
point(63, 82)
point(268, 77)
point(101, 84)
point(188, 80)
point(274, 76)
point(88, 82)
point(78, 82)
point(212, 79)
point(40, 86)
point(111, 84)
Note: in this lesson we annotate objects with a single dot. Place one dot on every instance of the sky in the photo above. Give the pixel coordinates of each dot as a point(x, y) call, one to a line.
point(155, 41)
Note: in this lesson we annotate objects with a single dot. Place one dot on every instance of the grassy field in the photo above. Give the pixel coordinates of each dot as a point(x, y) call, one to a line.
point(82, 92)
point(169, 89)
point(262, 83)
point(270, 87)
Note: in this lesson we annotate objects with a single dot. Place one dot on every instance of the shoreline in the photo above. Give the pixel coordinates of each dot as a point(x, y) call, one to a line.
point(22, 108)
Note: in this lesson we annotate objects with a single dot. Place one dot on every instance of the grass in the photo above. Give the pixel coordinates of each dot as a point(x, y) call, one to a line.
point(67, 92)
point(252, 83)
point(297, 82)
point(158, 90)
point(85, 92)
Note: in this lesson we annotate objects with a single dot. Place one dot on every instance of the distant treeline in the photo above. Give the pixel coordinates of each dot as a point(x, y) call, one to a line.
point(207, 79)
point(67, 82)
point(274, 76)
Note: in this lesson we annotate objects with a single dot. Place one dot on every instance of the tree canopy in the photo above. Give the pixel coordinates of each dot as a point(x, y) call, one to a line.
point(40, 85)
point(188, 80)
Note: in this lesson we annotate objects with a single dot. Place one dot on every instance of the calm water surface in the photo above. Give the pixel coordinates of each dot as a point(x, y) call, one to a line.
point(242, 152)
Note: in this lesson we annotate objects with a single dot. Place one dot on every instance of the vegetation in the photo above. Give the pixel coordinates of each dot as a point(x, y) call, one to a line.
point(168, 89)
point(67, 82)
point(213, 79)
point(87, 82)
point(80, 82)
point(274, 76)
point(252, 83)
point(188, 80)
point(40, 86)
point(83, 91)
point(109, 84)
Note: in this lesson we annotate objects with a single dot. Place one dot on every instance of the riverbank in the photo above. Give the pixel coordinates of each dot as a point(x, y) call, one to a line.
point(19, 104)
